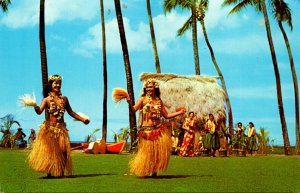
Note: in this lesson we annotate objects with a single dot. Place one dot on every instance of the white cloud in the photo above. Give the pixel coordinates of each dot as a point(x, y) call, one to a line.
point(25, 13)
point(217, 17)
point(240, 45)
point(166, 27)
point(137, 40)
point(261, 92)
point(91, 41)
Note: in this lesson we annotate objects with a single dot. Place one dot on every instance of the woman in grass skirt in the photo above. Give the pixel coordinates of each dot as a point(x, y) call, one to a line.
point(155, 144)
point(51, 150)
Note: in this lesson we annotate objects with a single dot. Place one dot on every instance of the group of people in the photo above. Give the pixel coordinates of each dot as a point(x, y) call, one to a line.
point(209, 140)
point(185, 141)
point(19, 140)
point(246, 141)
point(51, 154)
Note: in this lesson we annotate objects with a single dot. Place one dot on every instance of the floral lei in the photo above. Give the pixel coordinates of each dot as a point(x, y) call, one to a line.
point(54, 109)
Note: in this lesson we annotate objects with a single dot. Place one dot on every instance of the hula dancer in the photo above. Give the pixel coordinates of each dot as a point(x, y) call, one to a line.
point(155, 144)
point(51, 150)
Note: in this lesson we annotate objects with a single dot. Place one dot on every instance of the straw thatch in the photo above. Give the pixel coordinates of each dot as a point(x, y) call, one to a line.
point(200, 94)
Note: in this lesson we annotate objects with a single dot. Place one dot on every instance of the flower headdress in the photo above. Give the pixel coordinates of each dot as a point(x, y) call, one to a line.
point(151, 80)
point(55, 78)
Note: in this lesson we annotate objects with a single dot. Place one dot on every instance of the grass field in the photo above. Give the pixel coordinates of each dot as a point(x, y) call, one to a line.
point(109, 173)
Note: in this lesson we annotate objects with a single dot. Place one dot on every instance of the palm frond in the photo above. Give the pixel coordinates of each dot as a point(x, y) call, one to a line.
point(169, 5)
point(187, 25)
point(4, 4)
point(281, 12)
point(239, 4)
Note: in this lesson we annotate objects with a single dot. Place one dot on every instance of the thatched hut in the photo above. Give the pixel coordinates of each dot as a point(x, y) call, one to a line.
point(200, 94)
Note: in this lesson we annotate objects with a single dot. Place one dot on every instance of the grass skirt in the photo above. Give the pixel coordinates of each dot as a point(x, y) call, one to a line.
point(153, 152)
point(51, 152)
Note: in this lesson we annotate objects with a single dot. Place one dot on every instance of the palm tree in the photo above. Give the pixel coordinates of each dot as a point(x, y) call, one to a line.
point(282, 13)
point(43, 52)
point(132, 118)
point(157, 64)
point(104, 118)
point(4, 4)
point(191, 5)
point(5, 127)
point(260, 6)
point(202, 6)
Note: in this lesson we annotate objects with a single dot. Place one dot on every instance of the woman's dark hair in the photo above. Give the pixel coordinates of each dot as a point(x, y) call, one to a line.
point(239, 123)
point(251, 124)
point(156, 92)
point(48, 87)
point(191, 112)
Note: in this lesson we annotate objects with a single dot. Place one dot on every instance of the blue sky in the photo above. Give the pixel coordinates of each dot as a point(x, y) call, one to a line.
point(73, 40)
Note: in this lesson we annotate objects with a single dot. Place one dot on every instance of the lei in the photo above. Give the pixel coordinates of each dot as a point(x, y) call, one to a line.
point(211, 126)
point(250, 131)
point(55, 109)
point(152, 106)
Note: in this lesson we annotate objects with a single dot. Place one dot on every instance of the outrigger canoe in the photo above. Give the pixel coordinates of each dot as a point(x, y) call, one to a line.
point(101, 147)
point(115, 147)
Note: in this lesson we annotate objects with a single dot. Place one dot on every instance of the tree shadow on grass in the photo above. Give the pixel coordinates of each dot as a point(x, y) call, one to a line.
point(167, 176)
point(76, 176)
point(174, 176)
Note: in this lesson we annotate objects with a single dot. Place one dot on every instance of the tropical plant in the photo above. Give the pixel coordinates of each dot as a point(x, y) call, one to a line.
point(260, 6)
point(132, 117)
point(104, 115)
point(124, 134)
point(4, 4)
point(263, 140)
point(272, 142)
point(92, 137)
point(191, 5)
point(282, 13)
point(152, 33)
point(5, 128)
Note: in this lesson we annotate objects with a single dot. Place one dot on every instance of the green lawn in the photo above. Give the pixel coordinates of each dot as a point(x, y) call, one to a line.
point(109, 173)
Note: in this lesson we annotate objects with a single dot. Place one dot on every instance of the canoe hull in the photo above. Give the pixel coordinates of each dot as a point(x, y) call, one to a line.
point(115, 147)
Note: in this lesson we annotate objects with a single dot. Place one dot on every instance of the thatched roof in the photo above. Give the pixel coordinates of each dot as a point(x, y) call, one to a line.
point(200, 94)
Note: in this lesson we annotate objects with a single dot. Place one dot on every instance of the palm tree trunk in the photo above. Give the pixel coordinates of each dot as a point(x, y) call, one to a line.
point(43, 52)
point(132, 118)
point(296, 92)
point(104, 115)
point(278, 82)
point(195, 40)
point(230, 117)
point(157, 64)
